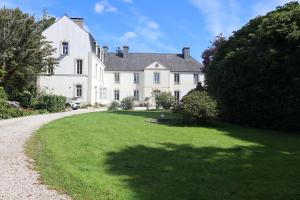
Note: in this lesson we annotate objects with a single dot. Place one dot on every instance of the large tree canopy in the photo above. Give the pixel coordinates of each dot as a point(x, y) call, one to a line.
point(24, 53)
point(255, 75)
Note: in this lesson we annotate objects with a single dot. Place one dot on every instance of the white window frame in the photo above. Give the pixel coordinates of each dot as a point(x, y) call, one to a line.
point(136, 95)
point(77, 89)
point(100, 93)
point(176, 79)
point(117, 94)
point(63, 48)
point(117, 80)
point(177, 97)
point(136, 78)
point(196, 80)
point(156, 78)
point(104, 93)
point(79, 72)
point(50, 70)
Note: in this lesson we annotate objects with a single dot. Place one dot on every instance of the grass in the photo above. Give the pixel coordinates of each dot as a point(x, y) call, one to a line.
point(120, 156)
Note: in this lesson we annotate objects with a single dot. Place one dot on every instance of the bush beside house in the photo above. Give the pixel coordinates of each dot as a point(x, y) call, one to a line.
point(114, 106)
point(31, 106)
point(197, 106)
point(53, 103)
point(164, 100)
point(127, 103)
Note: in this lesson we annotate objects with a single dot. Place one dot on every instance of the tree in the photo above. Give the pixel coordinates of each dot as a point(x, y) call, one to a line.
point(209, 54)
point(24, 52)
point(46, 20)
point(255, 75)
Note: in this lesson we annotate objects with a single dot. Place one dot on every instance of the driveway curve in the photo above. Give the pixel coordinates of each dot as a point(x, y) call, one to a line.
point(17, 179)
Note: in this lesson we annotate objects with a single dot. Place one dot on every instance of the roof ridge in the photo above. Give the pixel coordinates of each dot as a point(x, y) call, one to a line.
point(148, 53)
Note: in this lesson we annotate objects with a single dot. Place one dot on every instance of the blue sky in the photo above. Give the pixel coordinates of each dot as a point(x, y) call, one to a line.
point(154, 25)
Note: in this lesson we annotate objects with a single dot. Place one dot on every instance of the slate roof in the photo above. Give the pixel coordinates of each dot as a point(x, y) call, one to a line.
point(138, 62)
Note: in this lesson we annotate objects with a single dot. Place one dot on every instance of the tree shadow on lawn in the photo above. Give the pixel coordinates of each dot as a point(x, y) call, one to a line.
point(268, 169)
point(169, 119)
point(175, 171)
point(261, 136)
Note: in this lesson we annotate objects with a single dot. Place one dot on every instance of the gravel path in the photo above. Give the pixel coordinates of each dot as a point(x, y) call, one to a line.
point(17, 179)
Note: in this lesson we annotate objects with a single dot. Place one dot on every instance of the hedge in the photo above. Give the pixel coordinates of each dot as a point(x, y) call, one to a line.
point(53, 103)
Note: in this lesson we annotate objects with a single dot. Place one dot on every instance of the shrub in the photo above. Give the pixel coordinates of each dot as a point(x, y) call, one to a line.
point(53, 103)
point(25, 99)
point(197, 106)
point(114, 106)
point(164, 100)
point(127, 103)
point(3, 95)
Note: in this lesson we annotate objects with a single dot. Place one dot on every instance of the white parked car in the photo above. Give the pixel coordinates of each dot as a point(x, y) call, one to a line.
point(73, 104)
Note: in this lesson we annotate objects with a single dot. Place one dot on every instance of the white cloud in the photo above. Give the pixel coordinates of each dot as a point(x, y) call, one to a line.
point(219, 16)
point(127, 1)
point(104, 6)
point(226, 16)
point(128, 36)
point(145, 35)
point(153, 25)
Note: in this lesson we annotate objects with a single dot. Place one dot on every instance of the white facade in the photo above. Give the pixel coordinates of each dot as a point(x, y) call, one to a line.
point(81, 72)
point(66, 78)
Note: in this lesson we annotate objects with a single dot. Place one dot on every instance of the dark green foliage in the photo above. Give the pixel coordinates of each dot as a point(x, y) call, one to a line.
point(53, 103)
point(6, 111)
point(209, 54)
point(255, 75)
point(23, 51)
point(197, 106)
point(3, 95)
point(127, 103)
point(114, 106)
point(164, 100)
point(46, 20)
point(25, 99)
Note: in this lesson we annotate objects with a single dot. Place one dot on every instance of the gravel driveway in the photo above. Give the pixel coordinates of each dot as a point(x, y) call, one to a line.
point(17, 179)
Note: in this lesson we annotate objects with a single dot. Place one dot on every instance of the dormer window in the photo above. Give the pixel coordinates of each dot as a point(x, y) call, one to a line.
point(65, 48)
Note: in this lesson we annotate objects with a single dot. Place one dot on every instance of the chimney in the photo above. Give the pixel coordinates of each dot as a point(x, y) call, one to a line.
point(125, 51)
point(78, 21)
point(105, 49)
point(186, 52)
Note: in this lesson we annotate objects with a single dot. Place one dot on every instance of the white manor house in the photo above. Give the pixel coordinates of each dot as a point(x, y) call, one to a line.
point(91, 74)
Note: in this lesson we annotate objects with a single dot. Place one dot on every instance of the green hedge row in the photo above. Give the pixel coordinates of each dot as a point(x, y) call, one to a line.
point(53, 103)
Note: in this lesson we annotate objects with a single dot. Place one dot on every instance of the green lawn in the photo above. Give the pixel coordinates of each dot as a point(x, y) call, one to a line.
point(120, 156)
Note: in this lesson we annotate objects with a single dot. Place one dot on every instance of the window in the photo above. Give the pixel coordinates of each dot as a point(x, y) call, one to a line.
point(96, 67)
point(104, 93)
point(117, 95)
point(156, 77)
point(65, 48)
point(176, 79)
point(196, 78)
point(117, 77)
point(79, 66)
point(136, 78)
point(136, 95)
point(177, 95)
point(50, 70)
point(79, 90)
